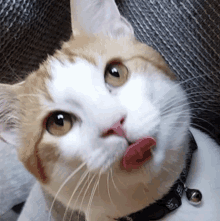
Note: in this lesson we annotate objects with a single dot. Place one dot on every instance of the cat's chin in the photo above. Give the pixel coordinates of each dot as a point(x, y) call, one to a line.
point(137, 187)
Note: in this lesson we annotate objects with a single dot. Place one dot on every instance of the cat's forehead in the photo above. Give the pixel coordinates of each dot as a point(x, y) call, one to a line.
point(92, 48)
point(83, 58)
point(76, 77)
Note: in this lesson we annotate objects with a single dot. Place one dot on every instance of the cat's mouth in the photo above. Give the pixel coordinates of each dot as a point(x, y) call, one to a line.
point(137, 153)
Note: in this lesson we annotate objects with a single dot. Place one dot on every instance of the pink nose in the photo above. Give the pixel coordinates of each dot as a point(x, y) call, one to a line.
point(116, 129)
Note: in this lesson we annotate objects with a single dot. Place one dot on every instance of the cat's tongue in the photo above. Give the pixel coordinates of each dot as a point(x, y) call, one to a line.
point(138, 153)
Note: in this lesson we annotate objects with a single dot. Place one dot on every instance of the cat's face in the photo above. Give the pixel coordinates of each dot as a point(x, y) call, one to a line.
point(66, 106)
point(79, 86)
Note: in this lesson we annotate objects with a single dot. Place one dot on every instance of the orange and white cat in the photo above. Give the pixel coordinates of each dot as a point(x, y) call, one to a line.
point(62, 117)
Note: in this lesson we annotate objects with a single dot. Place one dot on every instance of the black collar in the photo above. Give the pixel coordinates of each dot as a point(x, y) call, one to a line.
point(172, 200)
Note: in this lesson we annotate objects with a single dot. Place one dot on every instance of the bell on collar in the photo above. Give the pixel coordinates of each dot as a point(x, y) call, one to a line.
point(194, 196)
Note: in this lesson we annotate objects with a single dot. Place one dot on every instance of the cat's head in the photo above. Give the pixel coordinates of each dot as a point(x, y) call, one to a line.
point(58, 115)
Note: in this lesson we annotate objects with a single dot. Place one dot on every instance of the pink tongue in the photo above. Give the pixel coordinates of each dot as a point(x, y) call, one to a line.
point(138, 153)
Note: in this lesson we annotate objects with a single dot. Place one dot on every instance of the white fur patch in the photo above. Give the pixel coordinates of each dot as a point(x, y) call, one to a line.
point(79, 88)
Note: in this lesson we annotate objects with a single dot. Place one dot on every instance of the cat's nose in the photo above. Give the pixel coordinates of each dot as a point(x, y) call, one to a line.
point(116, 128)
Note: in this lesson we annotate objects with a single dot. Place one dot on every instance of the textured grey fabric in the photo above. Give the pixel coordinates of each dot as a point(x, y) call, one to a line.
point(15, 181)
point(185, 32)
point(29, 30)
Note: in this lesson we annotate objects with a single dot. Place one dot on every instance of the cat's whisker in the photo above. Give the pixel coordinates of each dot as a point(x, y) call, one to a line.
point(197, 126)
point(174, 105)
point(149, 169)
point(99, 189)
point(182, 122)
point(204, 109)
point(159, 191)
point(170, 171)
point(184, 113)
point(87, 190)
point(154, 199)
point(195, 117)
point(12, 70)
point(175, 86)
point(84, 194)
point(108, 188)
point(180, 113)
point(199, 92)
point(93, 193)
point(186, 104)
point(79, 195)
point(77, 186)
point(159, 99)
point(30, 95)
point(114, 181)
point(61, 187)
point(199, 108)
point(176, 100)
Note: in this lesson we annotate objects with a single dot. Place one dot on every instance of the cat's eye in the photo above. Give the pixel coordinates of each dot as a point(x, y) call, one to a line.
point(59, 123)
point(116, 74)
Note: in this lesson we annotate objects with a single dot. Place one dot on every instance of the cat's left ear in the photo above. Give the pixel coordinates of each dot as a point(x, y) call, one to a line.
point(99, 16)
point(9, 110)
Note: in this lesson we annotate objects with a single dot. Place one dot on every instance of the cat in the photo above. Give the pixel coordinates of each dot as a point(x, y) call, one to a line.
point(80, 118)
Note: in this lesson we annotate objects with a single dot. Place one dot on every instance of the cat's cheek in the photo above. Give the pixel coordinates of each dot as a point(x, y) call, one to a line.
point(71, 144)
point(47, 156)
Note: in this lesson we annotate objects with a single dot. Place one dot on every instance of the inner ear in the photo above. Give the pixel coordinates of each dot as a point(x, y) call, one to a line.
point(9, 112)
point(99, 16)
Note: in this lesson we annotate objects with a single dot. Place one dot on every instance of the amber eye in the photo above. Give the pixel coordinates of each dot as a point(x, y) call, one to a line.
point(59, 123)
point(116, 74)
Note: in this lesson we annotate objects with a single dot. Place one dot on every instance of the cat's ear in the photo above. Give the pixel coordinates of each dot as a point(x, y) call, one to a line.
point(9, 109)
point(99, 16)
point(10, 125)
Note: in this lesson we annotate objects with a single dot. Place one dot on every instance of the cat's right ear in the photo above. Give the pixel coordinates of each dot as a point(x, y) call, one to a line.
point(9, 110)
point(99, 16)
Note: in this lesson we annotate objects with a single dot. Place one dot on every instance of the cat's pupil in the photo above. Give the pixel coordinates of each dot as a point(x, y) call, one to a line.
point(114, 72)
point(59, 120)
